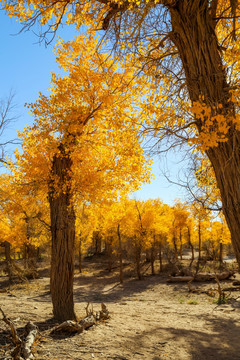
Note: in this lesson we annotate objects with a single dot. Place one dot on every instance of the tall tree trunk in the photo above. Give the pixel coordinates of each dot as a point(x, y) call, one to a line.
point(63, 236)
point(193, 33)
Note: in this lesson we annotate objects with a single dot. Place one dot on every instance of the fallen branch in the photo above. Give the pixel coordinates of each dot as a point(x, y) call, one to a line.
point(32, 331)
point(89, 320)
point(21, 347)
point(68, 326)
point(201, 277)
point(16, 339)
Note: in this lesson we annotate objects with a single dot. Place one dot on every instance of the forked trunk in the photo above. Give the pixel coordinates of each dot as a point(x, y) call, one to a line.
point(63, 236)
point(193, 33)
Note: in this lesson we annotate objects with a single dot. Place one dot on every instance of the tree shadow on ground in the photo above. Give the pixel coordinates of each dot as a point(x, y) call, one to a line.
point(106, 287)
point(198, 345)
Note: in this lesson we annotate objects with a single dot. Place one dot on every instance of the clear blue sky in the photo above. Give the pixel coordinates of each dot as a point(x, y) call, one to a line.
point(25, 67)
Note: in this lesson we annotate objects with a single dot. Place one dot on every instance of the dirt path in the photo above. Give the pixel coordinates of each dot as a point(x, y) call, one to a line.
point(150, 319)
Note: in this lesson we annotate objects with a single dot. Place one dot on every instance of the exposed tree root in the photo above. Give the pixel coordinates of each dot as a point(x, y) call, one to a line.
point(89, 320)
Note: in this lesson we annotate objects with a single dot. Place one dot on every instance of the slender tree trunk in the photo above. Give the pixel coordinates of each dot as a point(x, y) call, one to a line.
point(120, 254)
point(199, 241)
point(80, 255)
point(153, 254)
point(175, 247)
point(148, 255)
point(180, 238)
point(31, 260)
point(25, 254)
point(221, 253)
point(191, 245)
point(63, 237)
point(138, 267)
point(38, 254)
point(152, 259)
point(160, 257)
point(7, 250)
point(193, 33)
point(110, 253)
point(137, 254)
point(98, 243)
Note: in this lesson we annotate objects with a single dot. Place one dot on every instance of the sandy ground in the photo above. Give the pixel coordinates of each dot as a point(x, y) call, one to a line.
point(150, 319)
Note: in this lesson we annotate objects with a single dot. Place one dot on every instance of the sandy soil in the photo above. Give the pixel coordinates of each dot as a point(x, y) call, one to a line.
point(150, 319)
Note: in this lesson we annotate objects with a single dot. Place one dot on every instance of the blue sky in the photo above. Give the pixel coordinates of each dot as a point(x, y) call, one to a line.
point(25, 69)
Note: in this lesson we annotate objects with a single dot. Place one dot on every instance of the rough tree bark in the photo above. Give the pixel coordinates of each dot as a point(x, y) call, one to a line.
point(63, 236)
point(193, 33)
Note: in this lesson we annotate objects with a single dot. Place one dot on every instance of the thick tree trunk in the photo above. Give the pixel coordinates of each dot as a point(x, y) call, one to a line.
point(63, 236)
point(193, 33)
point(226, 163)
